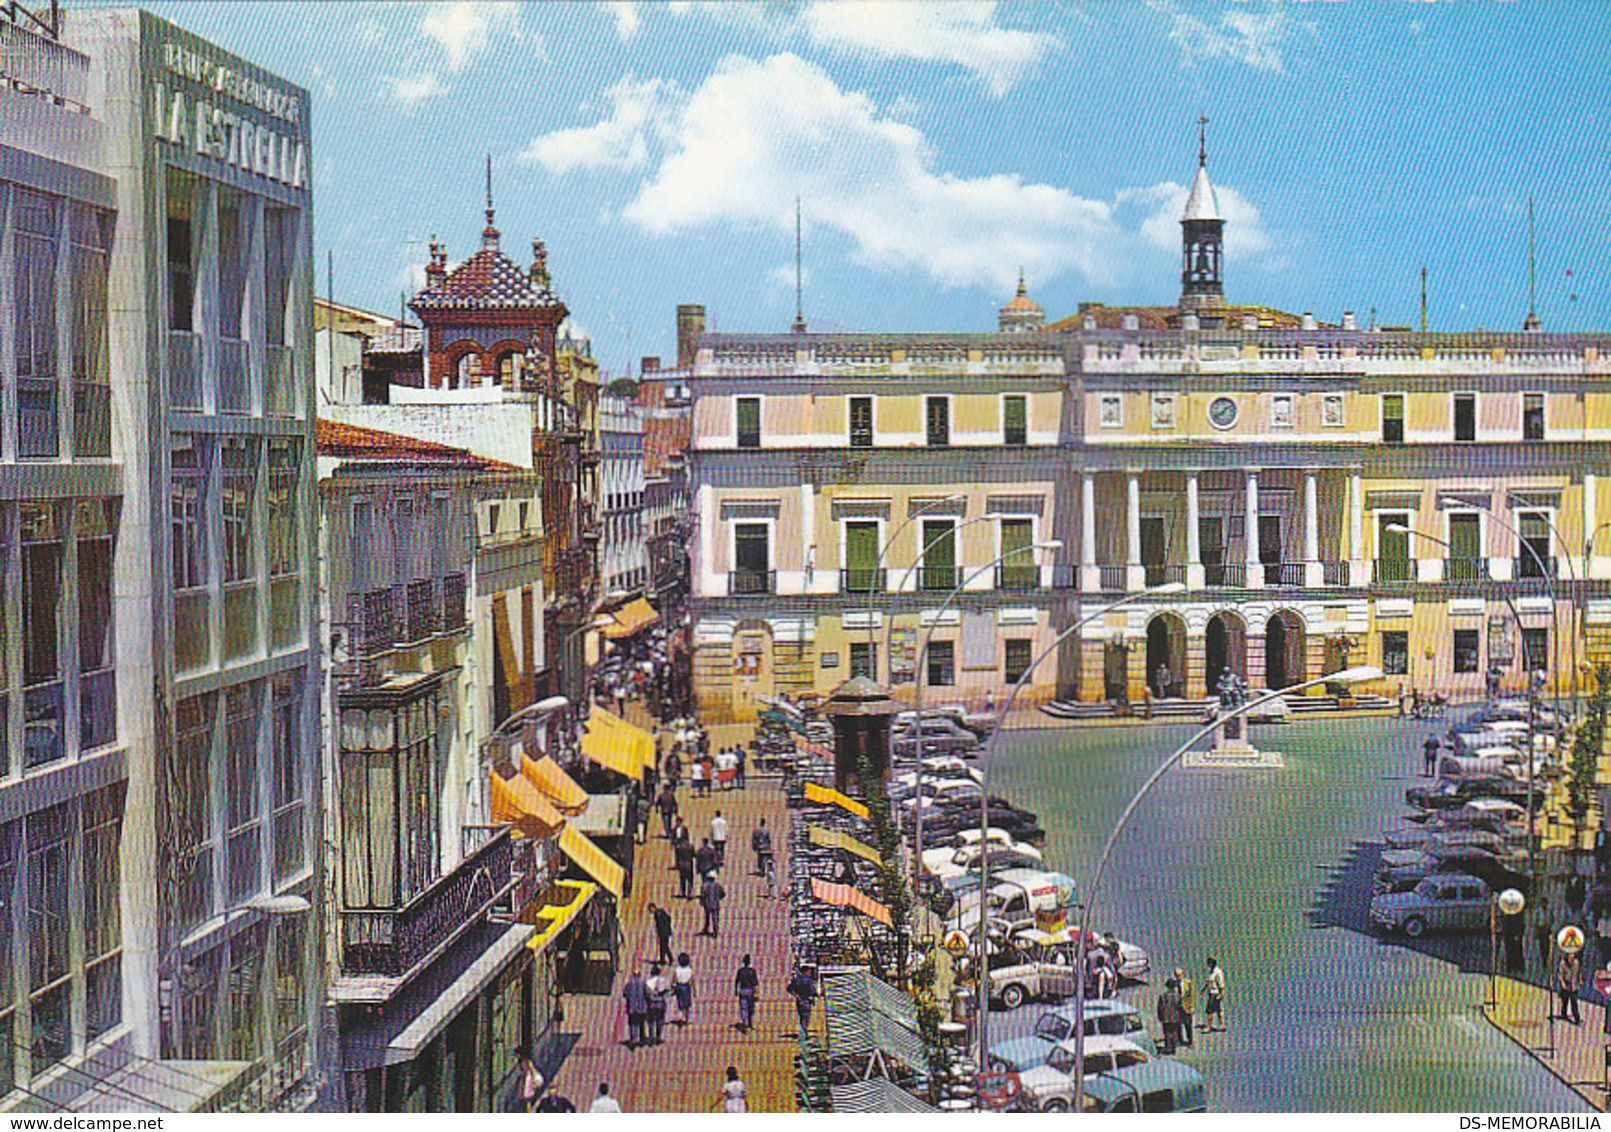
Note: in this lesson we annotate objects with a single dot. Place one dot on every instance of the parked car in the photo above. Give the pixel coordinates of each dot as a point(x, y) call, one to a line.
point(1050, 1087)
point(1421, 836)
point(1016, 977)
point(1102, 1016)
point(1453, 795)
point(1403, 870)
point(940, 736)
point(1161, 1085)
point(947, 861)
point(1499, 815)
point(1443, 902)
point(981, 723)
point(1063, 946)
point(1018, 897)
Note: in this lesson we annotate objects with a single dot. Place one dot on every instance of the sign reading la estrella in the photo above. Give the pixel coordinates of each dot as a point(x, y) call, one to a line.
point(190, 119)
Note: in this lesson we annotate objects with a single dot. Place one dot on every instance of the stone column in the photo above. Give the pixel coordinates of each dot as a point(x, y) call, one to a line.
point(1255, 568)
point(1135, 574)
point(1591, 518)
point(1194, 536)
point(1090, 577)
point(1358, 568)
point(1313, 572)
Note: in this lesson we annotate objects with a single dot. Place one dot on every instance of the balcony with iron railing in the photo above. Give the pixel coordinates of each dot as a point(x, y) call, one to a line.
point(1535, 568)
point(861, 580)
point(1334, 573)
point(1112, 579)
point(1465, 569)
point(1018, 578)
point(1393, 571)
point(455, 590)
point(939, 579)
point(373, 621)
point(396, 942)
point(748, 583)
point(1284, 574)
point(423, 618)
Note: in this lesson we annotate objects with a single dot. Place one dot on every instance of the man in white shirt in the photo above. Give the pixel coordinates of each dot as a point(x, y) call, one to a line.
point(718, 838)
point(604, 1102)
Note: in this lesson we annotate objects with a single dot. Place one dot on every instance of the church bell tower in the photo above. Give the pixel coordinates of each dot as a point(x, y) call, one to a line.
point(1202, 237)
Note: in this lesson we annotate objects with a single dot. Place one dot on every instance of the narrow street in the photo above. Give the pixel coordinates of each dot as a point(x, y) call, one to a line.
point(686, 1072)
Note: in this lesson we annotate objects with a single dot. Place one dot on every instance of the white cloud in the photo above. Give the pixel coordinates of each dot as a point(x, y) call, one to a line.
point(960, 32)
point(782, 277)
point(463, 29)
point(413, 89)
point(757, 133)
point(638, 110)
point(1246, 237)
point(627, 18)
point(1252, 38)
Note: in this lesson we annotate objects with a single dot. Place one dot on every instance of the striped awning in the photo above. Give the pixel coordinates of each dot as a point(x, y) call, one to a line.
point(837, 839)
point(515, 801)
point(844, 896)
point(612, 742)
point(831, 797)
point(592, 860)
point(547, 776)
point(879, 1094)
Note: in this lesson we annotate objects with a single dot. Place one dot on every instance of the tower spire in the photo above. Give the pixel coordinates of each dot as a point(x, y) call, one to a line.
point(1202, 139)
point(799, 326)
point(1532, 321)
point(1423, 298)
point(489, 234)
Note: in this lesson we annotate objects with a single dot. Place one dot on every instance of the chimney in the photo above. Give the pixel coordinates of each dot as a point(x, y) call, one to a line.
point(649, 365)
point(436, 270)
point(690, 325)
point(1308, 320)
point(1348, 321)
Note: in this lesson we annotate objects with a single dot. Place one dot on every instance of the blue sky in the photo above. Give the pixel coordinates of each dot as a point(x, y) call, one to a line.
point(658, 149)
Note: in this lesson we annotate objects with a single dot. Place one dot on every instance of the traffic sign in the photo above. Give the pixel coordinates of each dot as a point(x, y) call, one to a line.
point(956, 941)
point(1570, 939)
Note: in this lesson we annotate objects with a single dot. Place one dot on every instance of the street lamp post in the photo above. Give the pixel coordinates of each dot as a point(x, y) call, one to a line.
point(920, 674)
point(982, 961)
point(1347, 676)
point(1549, 585)
point(1531, 754)
point(1507, 903)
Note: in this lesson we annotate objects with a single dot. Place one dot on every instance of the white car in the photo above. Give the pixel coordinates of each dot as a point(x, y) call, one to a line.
point(1134, 962)
point(1050, 1087)
point(947, 860)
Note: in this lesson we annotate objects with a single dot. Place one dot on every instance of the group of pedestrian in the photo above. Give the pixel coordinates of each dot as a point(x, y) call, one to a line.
point(1177, 1006)
point(733, 1097)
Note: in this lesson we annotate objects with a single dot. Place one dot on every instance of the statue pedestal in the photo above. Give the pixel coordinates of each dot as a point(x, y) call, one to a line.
point(1231, 749)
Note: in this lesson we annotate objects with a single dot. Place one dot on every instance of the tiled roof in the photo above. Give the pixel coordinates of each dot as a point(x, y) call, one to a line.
point(488, 280)
point(351, 441)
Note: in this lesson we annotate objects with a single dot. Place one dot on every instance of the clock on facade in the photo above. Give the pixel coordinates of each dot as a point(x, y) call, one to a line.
point(1222, 412)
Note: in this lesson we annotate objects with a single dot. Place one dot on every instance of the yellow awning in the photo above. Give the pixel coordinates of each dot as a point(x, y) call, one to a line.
point(834, 798)
point(835, 839)
point(634, 617)
point(592, 860)
point(519, 803)
point(545, 774)
point(551, 919)
point(611, 741)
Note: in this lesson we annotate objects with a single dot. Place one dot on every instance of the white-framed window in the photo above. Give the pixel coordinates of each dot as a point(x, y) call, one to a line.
point(1281, 410)
point(1464, 413)
point(747, 421)
point(1331, 410)
point(1110, 410)
point(1163, 410)
point(1014, 419)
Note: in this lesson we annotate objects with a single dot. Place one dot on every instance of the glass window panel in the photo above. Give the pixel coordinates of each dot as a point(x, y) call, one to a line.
point(1015, 419)
point(49, 834)
point(283, 507)
point(189, 512)
point(103, 826)
point(188, 781)
point(239, 487)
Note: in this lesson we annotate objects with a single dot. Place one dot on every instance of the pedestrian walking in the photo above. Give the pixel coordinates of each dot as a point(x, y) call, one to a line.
point(531, 1081)
point(604, 1102)
point(636, 994)
point(1188, 1005)
point(710, 900)
point(707, 772)
point(682, 987)
point(667, 803)
point(673, 768)
point(726, 768)
point(1169, 1016)
point(1214, 991)
point(718, 838)
point(1163, 679)
point(684, 854)
point(803, 989)
point(680, 834)
point(761, 842)
point(662, 931)
point(746, 988)
point(1429, 755)
point(1568, 981)
point(705, 859)
point(734, 1095)
point(696, 778)
point(738, 753)
point(658, 987)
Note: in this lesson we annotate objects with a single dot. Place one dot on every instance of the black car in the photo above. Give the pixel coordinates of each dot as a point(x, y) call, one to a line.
point(1453, 795)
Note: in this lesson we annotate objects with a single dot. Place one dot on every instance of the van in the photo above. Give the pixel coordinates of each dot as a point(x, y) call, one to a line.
point(1018, 896)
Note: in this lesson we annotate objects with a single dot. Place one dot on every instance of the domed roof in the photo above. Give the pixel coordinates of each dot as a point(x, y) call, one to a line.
point(1021, 312)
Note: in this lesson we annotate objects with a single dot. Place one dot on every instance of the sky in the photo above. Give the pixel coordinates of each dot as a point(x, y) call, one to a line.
point(935, 149)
